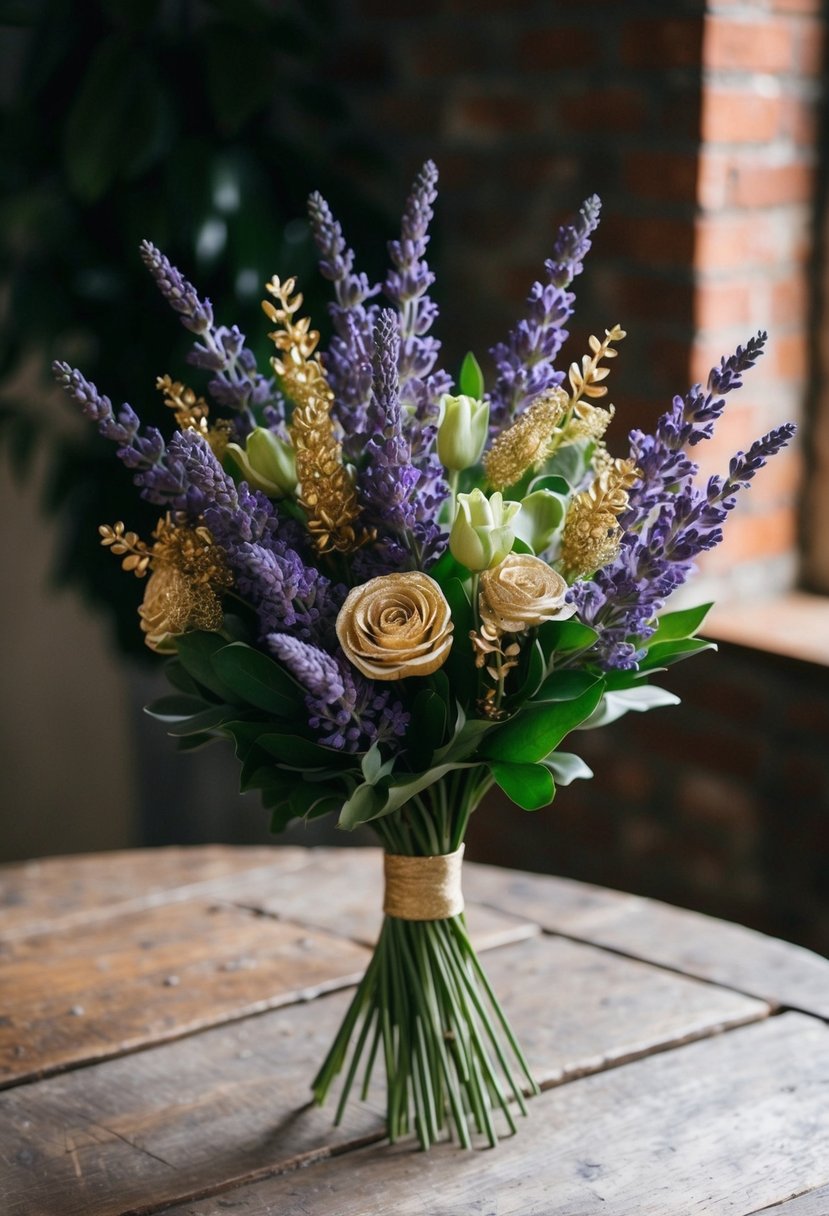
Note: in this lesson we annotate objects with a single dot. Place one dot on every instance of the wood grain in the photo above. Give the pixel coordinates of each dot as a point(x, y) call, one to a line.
point(103, 988)
point(231, 1103)
point(716, 1128)
point(344, 894)
point(54, 892)
point(698, 945)
point(813, 1203)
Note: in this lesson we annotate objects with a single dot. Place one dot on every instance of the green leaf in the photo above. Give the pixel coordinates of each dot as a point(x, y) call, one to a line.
point(530, 672)
point(567, 767)
point(296, 752)
point(565, 685)
point(664, 653)
point(426, 729)
point(366, 803)
point(465, 739)
point(447, 568)
point(180, 678)
point(209, 719)
point(460, 665)
point(530, 786)
point(176, 707)
point(195, 652)
point(538, 729)
point(471, 379)
point(614, 705)
point(258, 680)
point(673, 626)
point(565, 635)
point(195, 743)
point(550, 482)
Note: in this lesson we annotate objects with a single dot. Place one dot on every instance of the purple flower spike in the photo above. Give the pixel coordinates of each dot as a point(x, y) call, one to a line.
point(525, 361)
point(347, 711)
point(236, 384)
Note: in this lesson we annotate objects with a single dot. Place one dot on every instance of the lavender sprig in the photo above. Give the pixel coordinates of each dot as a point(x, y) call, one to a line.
point(348, 712)
point(348, 361)
point(236, 384)
point(525, 361)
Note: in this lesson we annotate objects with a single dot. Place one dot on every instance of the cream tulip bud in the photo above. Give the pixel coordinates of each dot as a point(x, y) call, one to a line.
point(542, 514)
point(462, 431)
point(481, 534)
point(267, 462)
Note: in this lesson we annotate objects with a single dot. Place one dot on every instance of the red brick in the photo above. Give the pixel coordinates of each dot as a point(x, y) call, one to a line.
point(767, 185)
point(790, 299)
point(665, 176)
point(753, 46)
point(805, 7)
point(659, 43)
point(656, 241)
point(755, 535)
point(800, 121)
point(713, 178)
point(654, 298)
point(447, 55)
point(810, 54)
point(739, 116)
point(488, 115)
point(606, 109)
point(791, 356)
point(721, 304)
point(709, 798)
point(728, 241)
point(549, 49)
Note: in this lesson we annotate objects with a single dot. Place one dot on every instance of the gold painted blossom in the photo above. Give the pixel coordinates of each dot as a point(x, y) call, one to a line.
point(556, 418)
point(526, 444)
point(192, 414)
point(326, 490)
point(188, 574)
point(592, 532)
point(521, 593)
point(395, 626)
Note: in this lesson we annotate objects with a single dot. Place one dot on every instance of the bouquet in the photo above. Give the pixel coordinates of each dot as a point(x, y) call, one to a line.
point(391, 593)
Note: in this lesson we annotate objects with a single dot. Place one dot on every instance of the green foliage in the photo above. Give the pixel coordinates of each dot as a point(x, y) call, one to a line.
point(471, 379)
point(133, 119)
point(530, 786)
point(539, 728)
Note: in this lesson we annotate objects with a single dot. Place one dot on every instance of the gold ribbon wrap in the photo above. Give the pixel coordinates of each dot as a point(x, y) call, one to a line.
point(423, 888)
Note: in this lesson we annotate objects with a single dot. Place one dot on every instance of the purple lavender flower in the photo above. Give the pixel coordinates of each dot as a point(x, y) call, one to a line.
point(525, 361)
point(237, 384)
point(348, 360)
point(669, 520)
point(348, 712)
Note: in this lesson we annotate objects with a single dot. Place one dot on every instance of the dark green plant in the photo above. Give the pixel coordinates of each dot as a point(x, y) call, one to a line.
point(201, 126)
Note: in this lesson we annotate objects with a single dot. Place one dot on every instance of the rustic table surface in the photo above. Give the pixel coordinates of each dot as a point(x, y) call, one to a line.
point(162, 1014)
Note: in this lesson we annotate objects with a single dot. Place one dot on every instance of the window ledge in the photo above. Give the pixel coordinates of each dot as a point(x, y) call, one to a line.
point(795, 624)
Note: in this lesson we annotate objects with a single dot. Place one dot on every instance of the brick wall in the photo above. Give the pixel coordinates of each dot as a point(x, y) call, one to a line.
point(719, 803)
point(696, 123)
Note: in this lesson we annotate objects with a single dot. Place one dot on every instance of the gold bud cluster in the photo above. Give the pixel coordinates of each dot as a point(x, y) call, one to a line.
point(326, 491)
point(591, 531)
point(526, 444)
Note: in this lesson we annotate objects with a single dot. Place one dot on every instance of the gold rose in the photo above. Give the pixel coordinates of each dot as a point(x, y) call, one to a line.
point(396, 626)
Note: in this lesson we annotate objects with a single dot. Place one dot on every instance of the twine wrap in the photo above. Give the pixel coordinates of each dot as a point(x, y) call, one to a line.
point(423, 888)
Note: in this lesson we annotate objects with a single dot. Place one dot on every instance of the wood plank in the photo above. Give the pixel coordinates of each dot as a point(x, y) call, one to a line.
point(231, 1103)
point(716, 1128)
point(690, 942)
point(103, 988)
point(352, 881)
point(812, 1203)
point(52, 892)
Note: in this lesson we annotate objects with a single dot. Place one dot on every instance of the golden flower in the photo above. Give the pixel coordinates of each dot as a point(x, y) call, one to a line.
point(527, 443)
point(520, 593)
point(174, 605)
point(592, 533)
point(396, 625)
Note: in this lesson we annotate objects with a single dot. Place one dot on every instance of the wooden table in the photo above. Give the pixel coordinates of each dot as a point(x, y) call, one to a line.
point(162, 1014)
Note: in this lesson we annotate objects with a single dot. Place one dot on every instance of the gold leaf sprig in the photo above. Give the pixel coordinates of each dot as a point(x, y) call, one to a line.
point(193, 413)
point(326, 490)
point(115, 538)
point(592, 532)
